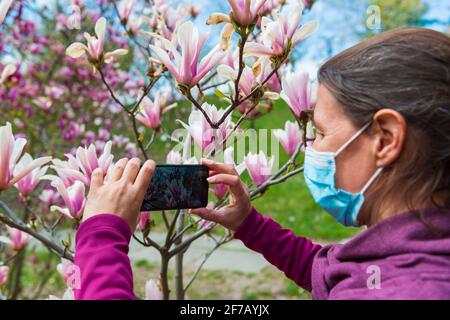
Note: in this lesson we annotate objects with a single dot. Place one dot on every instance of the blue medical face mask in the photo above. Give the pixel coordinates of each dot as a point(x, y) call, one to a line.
point(319, 173)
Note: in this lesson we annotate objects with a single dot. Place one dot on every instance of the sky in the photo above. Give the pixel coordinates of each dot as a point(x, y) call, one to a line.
point(340, 23)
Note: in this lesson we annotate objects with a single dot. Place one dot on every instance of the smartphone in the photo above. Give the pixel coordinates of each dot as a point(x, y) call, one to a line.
point(177, 187)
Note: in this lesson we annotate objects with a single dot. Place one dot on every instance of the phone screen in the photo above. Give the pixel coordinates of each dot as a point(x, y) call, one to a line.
point(177, 187)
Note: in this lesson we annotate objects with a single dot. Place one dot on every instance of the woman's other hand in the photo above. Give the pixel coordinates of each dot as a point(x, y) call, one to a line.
point(122, 194)
point(232, 215)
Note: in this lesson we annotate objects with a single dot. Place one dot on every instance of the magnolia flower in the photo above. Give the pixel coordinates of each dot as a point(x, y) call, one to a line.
point(125, 9)
point(95, 46)
point(174, 157)
point(49, 197)
point(87, 161)
point(17, 238)
point(279, 36)
point(4, 272)
point(298, 92)
point(202, 132)
point(290, 137)
point(73, 198)
point(10, 151)
point(259, 167)
point(4, 7)
point(28, 183)
point(186, 67)
point(250, 78)
point(69, 171)
point(150, 111)
point(65, 268)
point(144, 220)
point(243, 12)
point(8, 71)
point(153, 290)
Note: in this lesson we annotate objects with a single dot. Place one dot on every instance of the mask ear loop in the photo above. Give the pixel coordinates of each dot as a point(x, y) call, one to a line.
point(371, 180)
point(356, 135)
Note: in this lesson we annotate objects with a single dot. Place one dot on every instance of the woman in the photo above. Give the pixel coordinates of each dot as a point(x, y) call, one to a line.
point(381, 158)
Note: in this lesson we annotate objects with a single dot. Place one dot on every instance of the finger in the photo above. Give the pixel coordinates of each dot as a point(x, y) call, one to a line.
point(219, 167)
point(131, 170)
point(96, 179)
point(232, 181)
point(212, 173)
point(208, 214)
point(145, 176)
point(119, 167)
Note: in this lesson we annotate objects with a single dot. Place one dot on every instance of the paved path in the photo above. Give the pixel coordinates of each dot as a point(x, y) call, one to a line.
point(233, 256)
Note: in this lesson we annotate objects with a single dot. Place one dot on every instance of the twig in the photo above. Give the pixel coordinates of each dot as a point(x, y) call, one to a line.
point(12, 221)
point(206, 257)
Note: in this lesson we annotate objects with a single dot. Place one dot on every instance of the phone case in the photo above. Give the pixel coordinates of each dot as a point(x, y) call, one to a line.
point(177, 187)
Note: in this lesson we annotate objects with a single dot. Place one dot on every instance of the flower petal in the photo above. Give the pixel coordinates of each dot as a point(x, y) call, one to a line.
point(306, 30)
point(76, 50)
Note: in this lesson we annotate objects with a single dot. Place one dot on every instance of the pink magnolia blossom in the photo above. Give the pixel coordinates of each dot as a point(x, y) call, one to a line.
point(28, 183)
point(153, 290)
point(95, 45)
point(4, 7)
point(87, 161)
point(10, 152)
point(259, 167)
point(174, 157)
point(9, 70)
point(243, 12)
point(185, 66)
point(200, 130)
point(290, 137)
point(69, 171)
point(125, 9)
point(150, 111)
point(4, 273)
point(144, 220)
point(17, 238)
point(280, 35)
point(298, 92)
point(73, 198)
point(65, 268)
point(250, 78)
point(49, 197)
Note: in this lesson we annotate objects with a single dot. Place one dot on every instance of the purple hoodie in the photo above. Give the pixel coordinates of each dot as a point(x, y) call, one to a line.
point(409, 260)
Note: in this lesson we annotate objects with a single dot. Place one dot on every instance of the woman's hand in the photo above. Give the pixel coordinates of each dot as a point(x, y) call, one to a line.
point(239, 207)
point(122, 194)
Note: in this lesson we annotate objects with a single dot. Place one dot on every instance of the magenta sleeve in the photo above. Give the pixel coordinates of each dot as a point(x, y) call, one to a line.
point(281, 247)
point(101, 254)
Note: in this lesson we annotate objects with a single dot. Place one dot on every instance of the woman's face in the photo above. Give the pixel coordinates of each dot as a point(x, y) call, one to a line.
point(355, 164)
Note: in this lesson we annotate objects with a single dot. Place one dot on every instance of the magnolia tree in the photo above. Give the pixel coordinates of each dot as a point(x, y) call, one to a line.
point(82, 82)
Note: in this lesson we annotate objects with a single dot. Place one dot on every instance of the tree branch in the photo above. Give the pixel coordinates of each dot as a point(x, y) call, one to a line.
point(14, 222)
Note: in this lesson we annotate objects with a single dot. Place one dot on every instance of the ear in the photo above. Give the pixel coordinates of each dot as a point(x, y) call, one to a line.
point(389, 128)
